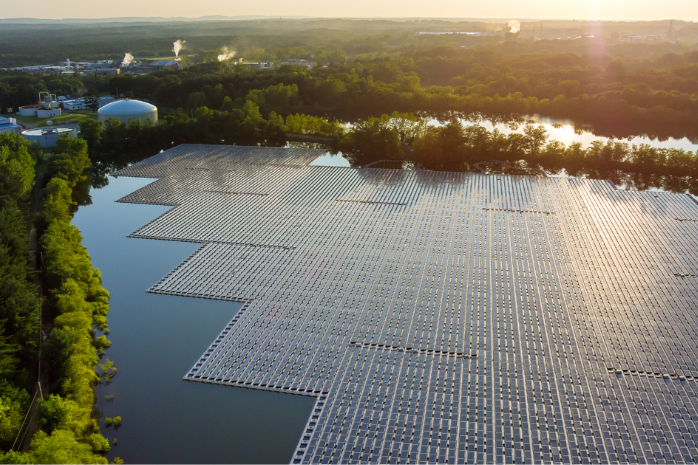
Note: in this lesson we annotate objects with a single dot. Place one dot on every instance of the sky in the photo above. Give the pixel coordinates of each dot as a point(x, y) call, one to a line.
point(505, 9)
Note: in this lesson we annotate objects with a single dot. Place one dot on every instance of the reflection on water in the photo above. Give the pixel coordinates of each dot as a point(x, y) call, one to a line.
point(621, 179)
point(331, 159)
point(653, 182)
point(566, 132)
point(155, 341)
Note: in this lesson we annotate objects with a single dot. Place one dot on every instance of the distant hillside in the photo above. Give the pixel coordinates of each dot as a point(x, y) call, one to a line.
point(135, 19)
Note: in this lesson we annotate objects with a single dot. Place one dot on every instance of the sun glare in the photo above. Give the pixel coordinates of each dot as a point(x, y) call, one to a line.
point(564, 133)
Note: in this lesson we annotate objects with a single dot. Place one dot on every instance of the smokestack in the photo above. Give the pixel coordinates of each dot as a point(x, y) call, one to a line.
point(226, 55)
point(128, 58)
point(177, 46)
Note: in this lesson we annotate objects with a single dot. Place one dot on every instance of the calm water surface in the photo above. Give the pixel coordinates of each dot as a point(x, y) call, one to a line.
point(157, 338)
point(567, 133)
point(560, 130)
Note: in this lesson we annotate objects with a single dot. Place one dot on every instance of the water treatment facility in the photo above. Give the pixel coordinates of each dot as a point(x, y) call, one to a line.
point(127, 109)
point(440, 316)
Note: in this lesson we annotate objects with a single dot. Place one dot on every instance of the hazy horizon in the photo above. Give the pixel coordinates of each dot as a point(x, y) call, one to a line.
point(614, 10)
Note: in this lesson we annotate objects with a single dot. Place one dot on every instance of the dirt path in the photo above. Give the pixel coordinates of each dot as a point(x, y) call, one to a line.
point(32, 424)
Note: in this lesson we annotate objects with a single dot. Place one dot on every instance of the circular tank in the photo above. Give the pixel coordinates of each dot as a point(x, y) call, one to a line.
point(48, 137)
point(127, 109)
point(28, 110)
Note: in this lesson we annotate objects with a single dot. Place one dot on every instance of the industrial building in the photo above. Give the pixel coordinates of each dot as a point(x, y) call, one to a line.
point(79, 104)
point(48, 137)
point(68, 67)
point(73, 105)
point(297, 62)
point(255, 66)
point(441, 316)
point(48, 107)
point(108, 71)
point(158, 65)
point(127, 109)
point(9, 125)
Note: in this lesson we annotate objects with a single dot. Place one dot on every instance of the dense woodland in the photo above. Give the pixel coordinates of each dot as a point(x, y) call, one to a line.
point(618, 97)
point(594, 75)
point(23, 43)
point(74, 307)
point(20, 88)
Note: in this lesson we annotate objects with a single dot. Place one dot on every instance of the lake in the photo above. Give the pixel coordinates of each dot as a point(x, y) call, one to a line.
point(156, 339)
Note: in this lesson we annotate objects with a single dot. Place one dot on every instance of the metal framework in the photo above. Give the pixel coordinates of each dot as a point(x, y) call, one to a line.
point(441, 317)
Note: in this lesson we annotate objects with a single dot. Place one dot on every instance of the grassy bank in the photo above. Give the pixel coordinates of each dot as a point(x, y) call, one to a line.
point(65, 118)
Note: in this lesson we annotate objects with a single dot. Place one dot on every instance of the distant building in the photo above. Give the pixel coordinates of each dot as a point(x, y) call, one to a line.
point(48, 107)
point(48, 112)
point(72, 105)
point(296, 62)
point(79, 104)
point(128, 109)
point(158, 65)
point(254, 66)
point(28, 110)
point(9, 125)
point(106, 101)
point(106, 71)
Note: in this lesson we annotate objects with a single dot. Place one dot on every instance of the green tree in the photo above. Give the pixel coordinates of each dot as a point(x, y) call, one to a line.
point(61, 447)
point(16, 165)
point(196, 100)
point(70, 160)
point(91, 99)
point(337, 55)
point(372, 139)
point(228, 104)
point(427, 148)
point(65, 414)
point(11, 416)
point(91, 130)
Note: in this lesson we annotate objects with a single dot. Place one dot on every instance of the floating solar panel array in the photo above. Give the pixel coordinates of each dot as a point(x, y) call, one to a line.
point(442, 317)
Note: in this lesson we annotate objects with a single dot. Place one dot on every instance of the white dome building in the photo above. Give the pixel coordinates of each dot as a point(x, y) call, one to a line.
point(127, 109)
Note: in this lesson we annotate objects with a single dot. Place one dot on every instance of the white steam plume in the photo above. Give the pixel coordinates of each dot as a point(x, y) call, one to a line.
point(227, 54)
point(128, 58)
point(514, 26)
point(179, 45)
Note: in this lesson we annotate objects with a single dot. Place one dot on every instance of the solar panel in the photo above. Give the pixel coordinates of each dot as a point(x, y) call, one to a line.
point(441, 317)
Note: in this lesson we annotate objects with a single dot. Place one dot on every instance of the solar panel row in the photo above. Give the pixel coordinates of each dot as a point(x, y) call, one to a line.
point(441, 316)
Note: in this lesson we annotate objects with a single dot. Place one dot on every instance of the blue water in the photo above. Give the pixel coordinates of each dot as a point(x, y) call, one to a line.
point(156, 339)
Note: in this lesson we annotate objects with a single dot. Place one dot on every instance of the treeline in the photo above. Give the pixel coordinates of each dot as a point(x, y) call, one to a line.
point(455, 146)
point(113, 143)
point(19, 301)
point(29, 44)
point(78, 304)
point(20, 88)
point(617, 96)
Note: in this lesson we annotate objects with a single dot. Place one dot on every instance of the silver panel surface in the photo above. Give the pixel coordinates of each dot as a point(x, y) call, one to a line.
point(441, 317)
